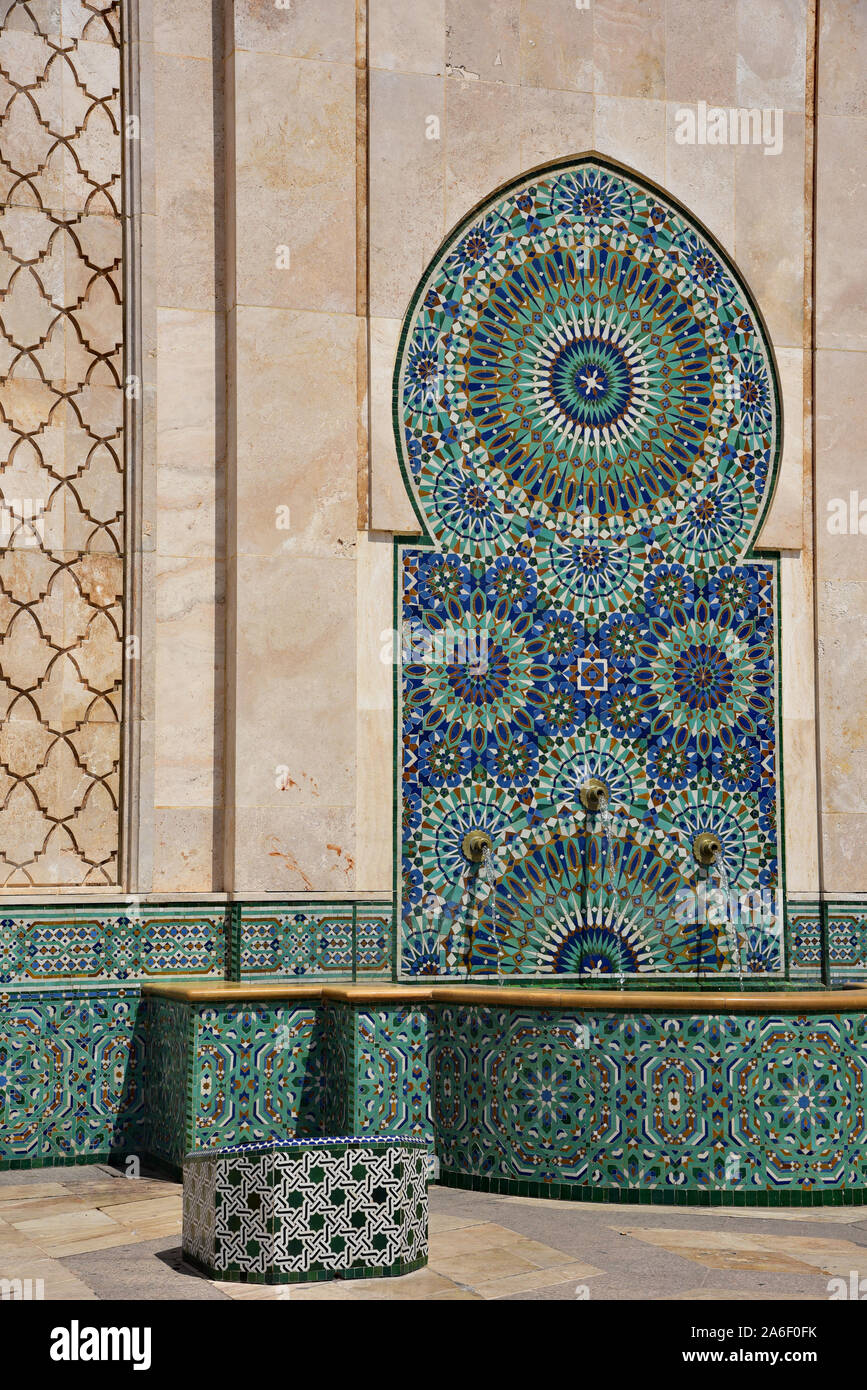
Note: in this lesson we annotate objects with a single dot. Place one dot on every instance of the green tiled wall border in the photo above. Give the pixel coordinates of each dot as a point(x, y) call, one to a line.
point(827, 956)
point(288, 959)
point(656, 1196)
point(118, 942)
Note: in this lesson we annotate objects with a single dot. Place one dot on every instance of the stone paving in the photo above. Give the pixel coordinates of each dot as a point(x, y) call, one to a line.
point(91, 1233)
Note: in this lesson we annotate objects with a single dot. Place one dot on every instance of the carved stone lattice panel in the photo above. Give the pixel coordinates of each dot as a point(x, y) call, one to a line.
point(61, 426)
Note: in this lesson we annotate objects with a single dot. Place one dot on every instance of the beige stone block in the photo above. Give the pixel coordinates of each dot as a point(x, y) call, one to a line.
point(841, 210)
point(60, 785)
point(796, 624)
point(28, 58)
point(375, 616)
point(842, 621)
point(484, 143)
point(800, 802)
point(98, 25)
point(188, 682)
point(841, 488)
point(483, 1267)
point(296, 434)
point(769, 230)
point(633, 132)
point(24, 746)
point(390, 506)
point(190, 370)
point(296, 757)
point(845, 858)
point(38, 681)
point(97, 747)
point(323, 29)
point(407, 38)
point(554, 124)
point(98, 656)
point(295, 850)
point(142, 847)
point(98, 319)
point(629, 48)
point(701, 53)
point(188, 147)
point(95, 829)
point(842, 86)
point(25, 576)
point(46, 13)
point(92, 121)
point(295, 682)
point(483, 39)
point(294, 183)
point(147, 114)
point(186, 28)
point(63, 613)
point(784, 525)
point(703, 178)
point(374, 702)
point(97, 67)
point(100, 578)
point(60, 1284)
point(407, 139)
point(557, 47)
point(184, 850)
point(772, 48)
point(24, 654)
point(375, 833)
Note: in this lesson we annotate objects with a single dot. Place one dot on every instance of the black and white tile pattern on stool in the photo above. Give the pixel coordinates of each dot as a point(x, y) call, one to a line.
point(307, 1209)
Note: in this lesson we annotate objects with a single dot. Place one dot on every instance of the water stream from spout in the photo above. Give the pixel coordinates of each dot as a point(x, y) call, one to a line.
point(607, 819)
point(490, 877)
point(732, 933)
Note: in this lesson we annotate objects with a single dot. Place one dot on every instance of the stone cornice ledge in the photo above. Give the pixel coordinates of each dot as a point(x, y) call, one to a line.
point(673, 1001)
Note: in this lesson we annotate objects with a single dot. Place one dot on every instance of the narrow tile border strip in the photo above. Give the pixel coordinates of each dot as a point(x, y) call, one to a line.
point(657, 1196)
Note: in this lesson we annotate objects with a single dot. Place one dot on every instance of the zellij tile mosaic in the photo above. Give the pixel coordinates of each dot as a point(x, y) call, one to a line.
point(586, 411)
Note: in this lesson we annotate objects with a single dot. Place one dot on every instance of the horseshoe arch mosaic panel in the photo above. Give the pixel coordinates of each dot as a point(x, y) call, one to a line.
point(587, 417)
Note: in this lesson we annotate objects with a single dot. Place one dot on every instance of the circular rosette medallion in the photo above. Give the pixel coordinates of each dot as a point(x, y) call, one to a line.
point(585, 903)
point(573, 375)
point(593, 753)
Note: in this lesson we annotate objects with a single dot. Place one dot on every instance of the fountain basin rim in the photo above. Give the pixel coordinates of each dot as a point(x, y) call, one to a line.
point(850, 1000)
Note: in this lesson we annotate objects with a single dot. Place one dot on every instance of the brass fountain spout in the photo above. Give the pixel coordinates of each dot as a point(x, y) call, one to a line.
point(706, 848)
point(593, 795)
point(475, 843)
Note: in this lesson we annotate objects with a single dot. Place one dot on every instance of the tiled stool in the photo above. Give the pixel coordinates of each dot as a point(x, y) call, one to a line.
point(303, 1209)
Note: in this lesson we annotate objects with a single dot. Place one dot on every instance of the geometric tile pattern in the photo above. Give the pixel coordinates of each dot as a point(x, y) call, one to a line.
point(327, 941)
point(70, 1075)
point(391, 1086)
point(373, 940)
point(282, 1213)
point(166, 1026)
point(728, 1104)
point(106, 944)
point(61, 449)
point(586, 413)
point(128, 941)
point(735, 1107)
point(847, 940)
point(257, 1073)
point(339, 1035)
point(134, 940)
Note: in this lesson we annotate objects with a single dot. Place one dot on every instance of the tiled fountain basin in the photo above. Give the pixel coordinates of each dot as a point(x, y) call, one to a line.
point(753, 1097)
point(307, 1209)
